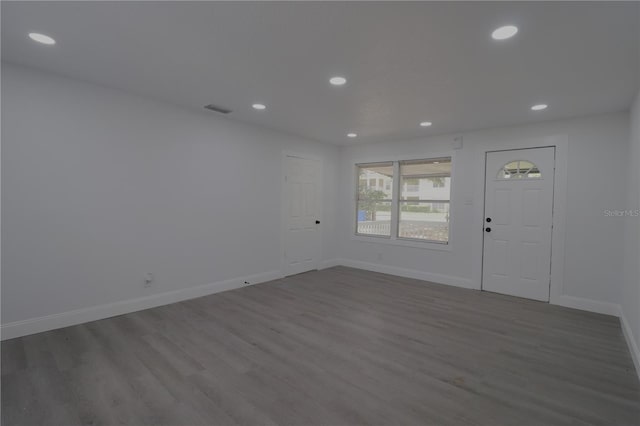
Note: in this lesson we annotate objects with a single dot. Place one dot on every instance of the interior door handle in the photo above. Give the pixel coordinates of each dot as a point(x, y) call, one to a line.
point(317, 222)
point(488, 229)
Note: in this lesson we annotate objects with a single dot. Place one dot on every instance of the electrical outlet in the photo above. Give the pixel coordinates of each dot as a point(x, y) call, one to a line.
point(148, 279)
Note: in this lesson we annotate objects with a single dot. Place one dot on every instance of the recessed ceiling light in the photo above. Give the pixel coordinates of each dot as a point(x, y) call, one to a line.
point(352, 135)
point(426, 123)
point(539, 107)
point(259, 106)
point(337, 81)
point(436, 162)
point(505, 32)
point(41, 38)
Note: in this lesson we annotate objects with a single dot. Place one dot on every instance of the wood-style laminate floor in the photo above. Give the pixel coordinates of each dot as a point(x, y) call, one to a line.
point(335, 347)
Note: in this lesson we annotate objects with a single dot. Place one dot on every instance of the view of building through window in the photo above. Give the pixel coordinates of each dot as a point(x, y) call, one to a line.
point(425, 191)
point(422, 197)
point(375, 195)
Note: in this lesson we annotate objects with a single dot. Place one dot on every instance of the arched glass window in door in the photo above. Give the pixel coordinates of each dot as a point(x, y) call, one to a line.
point(519, 169)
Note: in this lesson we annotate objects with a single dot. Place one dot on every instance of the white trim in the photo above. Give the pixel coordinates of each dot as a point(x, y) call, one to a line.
point(580, 303)
point(396, 191)
point(408, 273)
point(93, 313)
point(325, 264)
point(631, 341)
point(404, 157)
point(606, 308)
point(426, 245)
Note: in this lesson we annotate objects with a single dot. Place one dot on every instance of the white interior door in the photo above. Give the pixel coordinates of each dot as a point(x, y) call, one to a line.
point(518, 222)
point(302, 210)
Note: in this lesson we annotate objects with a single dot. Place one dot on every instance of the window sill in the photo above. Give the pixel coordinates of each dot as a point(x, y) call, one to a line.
point(401, 242)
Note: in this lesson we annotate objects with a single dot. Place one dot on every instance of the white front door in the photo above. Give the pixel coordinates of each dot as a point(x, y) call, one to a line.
point(518, 222)
point(302, 214)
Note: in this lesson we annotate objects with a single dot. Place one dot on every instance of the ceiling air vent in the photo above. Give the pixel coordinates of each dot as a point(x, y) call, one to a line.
point(215, 108)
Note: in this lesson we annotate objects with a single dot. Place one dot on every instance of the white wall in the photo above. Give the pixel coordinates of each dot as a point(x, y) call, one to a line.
point(630, 300)
point(597, 149)
point(100, 187)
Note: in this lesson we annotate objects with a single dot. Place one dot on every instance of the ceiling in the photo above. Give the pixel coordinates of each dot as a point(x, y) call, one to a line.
point(405, 62)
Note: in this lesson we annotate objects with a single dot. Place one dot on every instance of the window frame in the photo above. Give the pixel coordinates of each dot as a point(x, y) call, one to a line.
point(393, 239)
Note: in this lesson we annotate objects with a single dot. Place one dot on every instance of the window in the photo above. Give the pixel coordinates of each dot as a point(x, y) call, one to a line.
point(426, 218)
point(519, 169)
point(410, 185)
point(374, 204)
point(417, 208)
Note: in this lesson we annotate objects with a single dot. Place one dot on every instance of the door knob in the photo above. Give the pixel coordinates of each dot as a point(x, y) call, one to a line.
point(488, 219)
point(317, 222)
point(488, 229)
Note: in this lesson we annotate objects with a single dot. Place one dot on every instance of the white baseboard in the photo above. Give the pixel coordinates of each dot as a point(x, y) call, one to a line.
point(590, 305)
point(79, 316)
point(408, 273)
point(631, 341)
point(606, 308)
point(93, 313)
point(330, 263)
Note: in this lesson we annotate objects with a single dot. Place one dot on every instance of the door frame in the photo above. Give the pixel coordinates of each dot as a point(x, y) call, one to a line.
point(484, 204)
point(561, 144)
point(283, 207)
